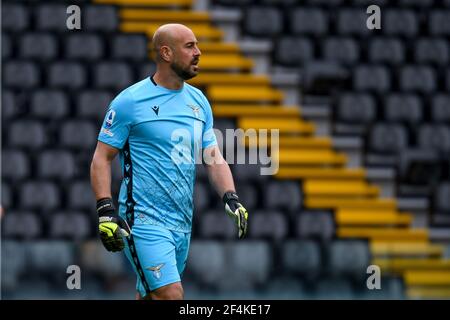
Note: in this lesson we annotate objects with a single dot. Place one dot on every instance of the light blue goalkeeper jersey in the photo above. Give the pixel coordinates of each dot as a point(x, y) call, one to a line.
point(159, 133)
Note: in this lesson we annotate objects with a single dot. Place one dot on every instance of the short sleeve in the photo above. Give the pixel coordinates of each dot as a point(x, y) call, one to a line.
point(118, 121)
point(208, 135)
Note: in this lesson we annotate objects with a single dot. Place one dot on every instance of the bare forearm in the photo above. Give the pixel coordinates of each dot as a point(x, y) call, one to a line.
point(221, 178)
point(101, 178)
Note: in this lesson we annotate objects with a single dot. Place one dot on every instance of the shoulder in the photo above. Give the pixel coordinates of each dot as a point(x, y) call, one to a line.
point(198, 94)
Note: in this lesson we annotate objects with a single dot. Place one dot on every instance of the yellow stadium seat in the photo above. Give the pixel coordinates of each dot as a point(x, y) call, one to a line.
point(225, 62)
point(148, 3)
point(428, 293)
point(288, 172)
point(365, 218)
point(285, 125)
point(339, 188)
point(399, 265)
point(384, 234)
point(408, 249)
point(201, 30)
point(234, 94)
point(206, 78)
point(339, 202)
point(164, 16)
point(427, 278)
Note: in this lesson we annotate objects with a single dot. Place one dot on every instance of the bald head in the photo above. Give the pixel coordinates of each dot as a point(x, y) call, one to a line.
point(170, 35)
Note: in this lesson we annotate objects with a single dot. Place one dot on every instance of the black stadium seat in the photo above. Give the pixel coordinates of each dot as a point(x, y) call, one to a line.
point(39, 46)
point(256, 21)
point(84, 46)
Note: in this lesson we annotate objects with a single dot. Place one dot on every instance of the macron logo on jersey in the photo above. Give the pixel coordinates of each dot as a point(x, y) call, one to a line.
point(155, 109)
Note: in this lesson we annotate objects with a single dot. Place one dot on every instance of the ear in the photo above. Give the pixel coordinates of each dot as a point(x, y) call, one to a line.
point(166, 53)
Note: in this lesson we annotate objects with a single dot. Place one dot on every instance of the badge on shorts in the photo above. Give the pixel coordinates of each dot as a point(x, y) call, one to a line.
point(156, 270)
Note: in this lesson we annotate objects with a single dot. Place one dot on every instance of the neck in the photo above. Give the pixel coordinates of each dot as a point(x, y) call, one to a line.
point(168, 80)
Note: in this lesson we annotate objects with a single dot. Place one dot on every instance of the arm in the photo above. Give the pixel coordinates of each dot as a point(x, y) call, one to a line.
point(101, 170)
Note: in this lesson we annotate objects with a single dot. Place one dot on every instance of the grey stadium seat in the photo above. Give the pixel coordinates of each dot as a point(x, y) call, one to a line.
point(84, 46)
point(356, 108)
point(352, 22)
point(10, 108)
point(372, 78)
point(247, 172)
point(95, 259)
point(248, 193)
point(217, 224)
point(348, 258)
point(100, 18)
point(333, 289)
point(388, 138)
point(283, 194)
point(309, 21)
point(442, 200)
point(420, 79)
point(70, 225)
point(440, 110)
point(343, 50)
point(435, 137)
point(207, 261)
point(51, 256)
point(315, 225)
point(52, 104)
point(39, 195)
point(22, 224)
point(368, 2)
point(93, 104)
point(70, 75)
point(201, 197)
point(27, 133)
point(439, 22)
point(271, 225)
point(301, 257)
point(57, 164)
point(15, 165)
point(40, 46)
point(400, 22)
point(145, 70)
point(15, 17)
point(256, 21)
point(21, 74)
point(431, 50)
point(52, 17)
point(130, 47)
point(81, 196)
point(386, 50)
point(78, 134)
point(6, 46)
point(324, 2)
point(417, 3)
point(403, 108)
point(7, 195)
point(112, 75)
point(14, 263)
point(294, 51)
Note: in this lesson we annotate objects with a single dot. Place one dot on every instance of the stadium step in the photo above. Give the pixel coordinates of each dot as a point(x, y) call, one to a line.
point(287, 142)
point(408, 249)
point(248, 94)
point(206, 79)
point(234, 111)
point(202, 31)
point(405, 264)
point(346, 218)
point(338, 202)
point(310, 157)
point(427, 278)
point(149, 3)
point(285, 172)
point(164, 16)
point(384, 234)
point(339, 188)
point(284, 125)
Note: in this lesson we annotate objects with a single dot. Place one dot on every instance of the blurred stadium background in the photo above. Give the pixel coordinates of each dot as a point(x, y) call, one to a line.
point(364, 119)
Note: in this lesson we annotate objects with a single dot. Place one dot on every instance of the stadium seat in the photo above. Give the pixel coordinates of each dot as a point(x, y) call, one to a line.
point(419, 79)
point(10, 109)
point(417, 3)
point(94, 259)
point(89, 47)
point(248, 193)
point(129, 47)
point(112, 75)
point(78, 134)
point(15, 165)
point(323, 77)
point(268, 224)
point(419, 167)
point(352, 22)
point(100, 18)
point(309, 21)
point(28, 134)
point(15, 17)
point(207, 261)
point(315, 225)
point(14, 263)
point(93, 104)
point(442, 200)
point(39, 195)
point(56, 164)
point(403, 108)
point(51, 17)
point(400, 22)
point(286, 287)
point(217, 224)
point(145, 70)
point(386, 50)
point(440, 108)
point(49, 104)
point(7, 195)
point(333, 289)
point(282, 195)
point(372, 78)
point(302, 257)
point(81, 196)
point(67, 75)
point(70, 225)
point(6, 46)
point(431, 50)
point(21, 74)
point(349, 258)
point(22, 225)
point(256, 24)
point(331, 3)
point(294, 51)
point(439, 22)
point(39, 46)
point(343, 50)
point(233, 2)
point(356, 108)
point(51, 256)
point(388, 138)
point(436, 137)
point(201, 197)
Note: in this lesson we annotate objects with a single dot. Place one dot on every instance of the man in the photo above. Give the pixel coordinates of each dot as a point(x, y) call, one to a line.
point(157, 125)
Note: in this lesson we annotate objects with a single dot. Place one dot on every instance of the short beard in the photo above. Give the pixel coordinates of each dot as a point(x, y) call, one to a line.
point(184, 74)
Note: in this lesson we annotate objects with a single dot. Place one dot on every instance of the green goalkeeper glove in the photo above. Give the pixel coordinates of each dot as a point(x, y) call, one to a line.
point(235, 210)
point(111, 227)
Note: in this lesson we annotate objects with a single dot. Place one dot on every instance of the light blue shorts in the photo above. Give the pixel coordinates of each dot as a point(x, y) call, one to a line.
point(158, 256)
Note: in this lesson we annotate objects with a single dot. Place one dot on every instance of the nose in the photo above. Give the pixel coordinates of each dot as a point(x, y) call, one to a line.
point(197, 52)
